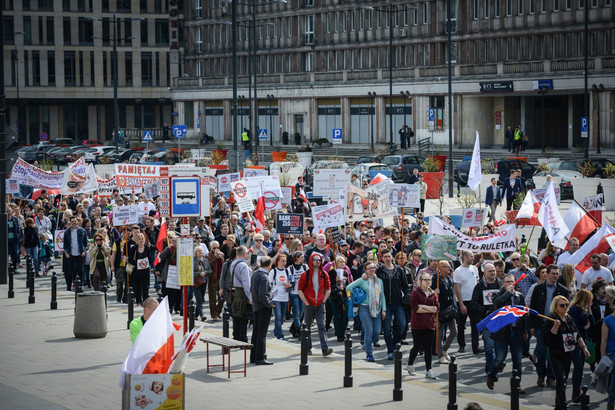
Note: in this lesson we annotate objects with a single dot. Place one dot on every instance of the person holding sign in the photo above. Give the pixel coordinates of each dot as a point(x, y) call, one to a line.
point(168, 262)
point(139, 256)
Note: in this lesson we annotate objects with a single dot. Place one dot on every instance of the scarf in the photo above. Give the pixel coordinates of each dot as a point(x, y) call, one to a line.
point(374, 297)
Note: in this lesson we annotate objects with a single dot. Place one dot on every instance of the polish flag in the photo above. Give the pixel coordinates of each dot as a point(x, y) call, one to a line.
point(598, 243)
point(162, 235)
point(303, 195)
point(579, 222)
point(550, 217)
point(530, 208)
point(259, 214)
point(153, 349)
point(378, 179)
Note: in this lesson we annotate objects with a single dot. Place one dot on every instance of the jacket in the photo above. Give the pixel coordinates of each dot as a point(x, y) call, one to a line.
point(260, 288)
point(82, 238)
point(394, 287)
point(364, 284)
point(93, 250)
point(478, 310)
point(600, 377)
point(555, 342)
point(489, 197)
point(167, 257)
point(505, 298)
point(509, 191)
point(423, 320)
point(539, 298)
point(30, 235)
point(14, 229)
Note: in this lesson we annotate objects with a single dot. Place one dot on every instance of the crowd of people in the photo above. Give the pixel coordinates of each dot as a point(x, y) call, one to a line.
point(372, 278)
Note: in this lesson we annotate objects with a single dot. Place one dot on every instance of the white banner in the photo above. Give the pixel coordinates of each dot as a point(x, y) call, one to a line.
point(593, 202)
point(136, 175)
point(369, 204)
point(404, 195)
point(74, 183)
point(327, 216)
point(540, 194)
point(328, 182)
point(472, 217)
point(152, 190)
point(242, 196)
point(501, 241)
point(224, 181)
point(28, 174)
point(252, 172)
point(106, 186)
point(125, 215)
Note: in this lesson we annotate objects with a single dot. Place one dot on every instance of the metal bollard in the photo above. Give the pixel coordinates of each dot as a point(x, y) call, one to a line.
point(191, 309)
point(131, 307)
point(514, 390)
point(348, 360)
point(584, 398)
point(452, 384)
point(226, 317)
point(398, 392)
point(54, 292)
point(29, 269)
point(11, 284)
point(303, 367)
point(31, 298)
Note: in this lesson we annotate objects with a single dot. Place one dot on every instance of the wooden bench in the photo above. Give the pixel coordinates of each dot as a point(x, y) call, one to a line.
point(227, 345)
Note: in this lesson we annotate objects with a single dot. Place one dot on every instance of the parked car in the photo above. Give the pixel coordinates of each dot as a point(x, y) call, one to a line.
point(94, 154)
point(323, 164)
point(92, 143)
point(57, 153)
point(72, 154)
point(136, 157)
point(42, 151)
point(366, 158)
point(123, 155)
point(403, 165)
point(573, 165)
point(565, 185)
point(157, 156)
point(64, 142)
point(371, 167)
point(502, 168)
point(28, 153)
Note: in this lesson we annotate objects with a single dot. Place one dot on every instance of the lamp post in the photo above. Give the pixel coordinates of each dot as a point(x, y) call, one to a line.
point(405, 95)
point(270, 97)
point(542, 90)
point(241, 98)
point(15, 60)
point(598, 89)
point(372, 96)
point(586, 69)
point(450, 99)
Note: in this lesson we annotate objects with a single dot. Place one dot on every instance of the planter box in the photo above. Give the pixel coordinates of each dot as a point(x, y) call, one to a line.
point(582, 187)
point(305, 158)
point(434, 183)
point(608, 188)
point(278, 156)
point(441, 159)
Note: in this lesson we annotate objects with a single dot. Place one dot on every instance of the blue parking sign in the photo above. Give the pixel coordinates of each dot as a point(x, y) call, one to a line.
point(337, 135)
point(584, 127)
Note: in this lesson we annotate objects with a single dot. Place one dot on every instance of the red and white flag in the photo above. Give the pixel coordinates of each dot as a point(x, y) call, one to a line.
point(153, 349)
point(303, 195)
point(529, 208)
point(162, 235)
point(378, 179)
point(550, 217)
point(259, 212)
point(593, 205)
point(598, 243)
point(579, 222)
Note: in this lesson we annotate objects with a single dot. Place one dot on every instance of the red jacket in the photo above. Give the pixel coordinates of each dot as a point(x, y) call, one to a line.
point(307, 287)
point(423, 320)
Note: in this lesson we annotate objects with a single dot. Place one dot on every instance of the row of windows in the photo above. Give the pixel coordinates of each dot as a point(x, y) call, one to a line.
point(512, 7)
point(125, 6)
point(530, 48)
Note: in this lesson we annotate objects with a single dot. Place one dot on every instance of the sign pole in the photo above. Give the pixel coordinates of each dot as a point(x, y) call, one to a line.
point(184, 291)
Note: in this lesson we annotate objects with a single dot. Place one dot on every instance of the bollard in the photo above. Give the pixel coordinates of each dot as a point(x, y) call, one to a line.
point(191, 309)
point(303, 367)
point(348, 360)
point(11, 285)
point(31, 298)
point(452, 384)
point(514, 390)
point(398, 392)
point(584, 398)
point(226, 316)
point(131, 308)
point(78, 284)
point(29, 269)
point(54, 291)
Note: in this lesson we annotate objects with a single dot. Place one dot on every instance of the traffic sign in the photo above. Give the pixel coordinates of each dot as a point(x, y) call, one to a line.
point(337, 135)
point(184, 129)
point(198, 123)
point(147, 136)
point(262, 134)
point(432, 118)
point(584, 127)
point(179, 131)
point(185, 197)
point(44, 136)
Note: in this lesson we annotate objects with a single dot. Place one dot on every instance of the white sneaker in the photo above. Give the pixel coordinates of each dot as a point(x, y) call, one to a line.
point(411, 370)
point(443, 360)
point(430, 375)
point(445, 354)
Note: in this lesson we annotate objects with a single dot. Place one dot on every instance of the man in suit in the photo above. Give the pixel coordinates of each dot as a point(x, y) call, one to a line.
point(493, 198)
point(512, 186)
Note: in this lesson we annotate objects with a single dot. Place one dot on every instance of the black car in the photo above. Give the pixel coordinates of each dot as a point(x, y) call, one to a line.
point(502, 168)
point(573, 165)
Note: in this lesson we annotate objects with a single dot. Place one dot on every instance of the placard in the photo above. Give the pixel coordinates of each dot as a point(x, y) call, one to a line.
point(404, 195)
point(264, 184)
point(328, 182)
point(472, 217)
point(152, 190)
point(58, 240)
point(185, 257)
point(184, 229)
point(371, 203)
point(253, 172)
point(125, 215)
point(12, 186)
point(156, 391)
point(501, 241)
point(106, 186)
point(242, 196)
point(287, 194)
point(540, 193)
point(224, 181)
point(439, 247)
point(327, 216)
point(336, 236)
point(136, 175)
point(172, 279)
point(289, 224)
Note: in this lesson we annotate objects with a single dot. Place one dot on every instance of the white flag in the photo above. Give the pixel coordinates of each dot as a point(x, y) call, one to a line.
point(474, 177)
point(550, 217)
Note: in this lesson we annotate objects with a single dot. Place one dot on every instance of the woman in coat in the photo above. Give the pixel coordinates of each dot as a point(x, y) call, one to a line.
point(446, 299)
point(340, 277)
point(31, 242)
point(139, 256)
point(424, 304)
point(201, 271)
point(99, 260)
point(580, 311)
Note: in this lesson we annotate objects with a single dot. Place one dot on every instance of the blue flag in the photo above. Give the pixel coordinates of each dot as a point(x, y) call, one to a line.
point(503, 317)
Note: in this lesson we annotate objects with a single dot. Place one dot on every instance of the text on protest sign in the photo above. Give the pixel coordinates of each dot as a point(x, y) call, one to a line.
point(224, 181)
point(371, 203)
point(125, 215)
point(404, 195)
point(328, 182)
point(327, 216)
point(472, 217)
point(289, 224)
point(501, 241)
point(242, 196)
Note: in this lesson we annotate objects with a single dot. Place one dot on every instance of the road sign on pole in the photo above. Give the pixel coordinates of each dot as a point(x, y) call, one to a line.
point(198, 122)
point(584, 127)
point(177, 131)
point(262, 134)
point(148, 136)
point(432, 119)
point(185, 197)
point(337, 135)
point(44, 136)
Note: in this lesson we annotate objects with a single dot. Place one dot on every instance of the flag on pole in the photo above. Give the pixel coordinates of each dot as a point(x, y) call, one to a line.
point(596, 244)
point(503, 317)
point(153, 349)
point(474, 176)
point(550, 217)
point(259, 212)
point(162, 235)
point(593, 205)
point(579, 222)
point(179, 359)
point(529, 208)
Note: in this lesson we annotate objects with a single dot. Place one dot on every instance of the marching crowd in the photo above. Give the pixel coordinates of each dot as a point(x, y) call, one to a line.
point(372, 278)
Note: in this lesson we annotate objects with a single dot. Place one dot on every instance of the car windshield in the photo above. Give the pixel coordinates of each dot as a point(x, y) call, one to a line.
point(378, 168)
point(391, 160)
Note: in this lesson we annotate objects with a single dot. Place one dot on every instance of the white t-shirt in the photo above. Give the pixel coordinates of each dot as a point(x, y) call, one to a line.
point(563, 258)
point(278, 278)
point(467, 278)
point(145, 207)
point(591, 275)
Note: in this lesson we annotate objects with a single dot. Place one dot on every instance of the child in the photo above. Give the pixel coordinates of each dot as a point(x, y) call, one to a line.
point(45, 253)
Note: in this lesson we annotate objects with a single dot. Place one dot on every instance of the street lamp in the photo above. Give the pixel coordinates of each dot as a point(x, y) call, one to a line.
point(542, 90)
point(116, 109)
point(390, 12)
point(241, 98)
point(405, 95)
point(372, 96)
point(598, 89)
point(15, 60)
point(270, 97)
point(586, 69)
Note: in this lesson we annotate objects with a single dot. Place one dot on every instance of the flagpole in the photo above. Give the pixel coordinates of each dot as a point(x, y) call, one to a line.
point(590, 215)
point(528, 241)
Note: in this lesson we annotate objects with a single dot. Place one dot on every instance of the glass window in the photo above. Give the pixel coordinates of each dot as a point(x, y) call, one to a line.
point(519, 7)
point(486, 7)
point(27, 28)
point(508, 7)
point(198, 9)
point(309, 30)
point(309, 61)
point(437, 103)
point(86, 31)
point(143, 30)
point(128, 68)
point(51, 68)
point(66, 30)
point(147, 76)
point(50, 31)
point(497, 8)
point(162, 32)
point(475, 9)
point(36, 68)
point(8, 30)
point(45, 5)
point(70, 68)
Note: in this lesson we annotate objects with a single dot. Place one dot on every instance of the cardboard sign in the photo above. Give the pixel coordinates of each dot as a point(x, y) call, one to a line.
point(404, 195)
point(185, 257)
point(371, 203)
point(152, 190)
point(58, 240)
point(172, 279)
point(242, 196)
point(328, 182)
point(106, 186)
point(12, 186)
point(336, 236)
point(289, 224)
point(501, 241)
point(259, 185)
point(125, 215)
point(287, 194)
point(252, 172)
point(327, 216)
point(472, 217)
point(224, 181)
point(439, 247)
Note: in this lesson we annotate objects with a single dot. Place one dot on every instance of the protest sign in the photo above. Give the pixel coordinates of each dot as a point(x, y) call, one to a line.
point(252, 172)
point(12, 186)
point(25, 191)
point(472, 217)
point(501, 241)
point(172, 279)
point(242, 196)
point(404, 195)
point(259, 185)
point(439, 247)
point(328, 182)
point(287, 194)
point(327, 216)
point(106, 186)
point(136, 175)
point(370, 203)
point(152, 190)
point(540, 193)
point(335, 234)
point(224, 181)
point(593, 205)
point(58, 240)
point(289, 224)
point(125, 215)
point(75, 183)
point(28, 174)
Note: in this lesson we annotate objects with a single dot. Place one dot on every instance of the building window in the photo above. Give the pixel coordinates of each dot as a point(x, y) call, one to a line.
point(51, 68)
point(50, 31)
point(425, 11)
point(569, 4)
point(198, 9)
point(352, 20)
point(555, 5)
point(198, 39)
point(66, 29)
point(543, 6)
point(70, 68)
point(532, 6)
point(128, 68)
point(123, 6)
point(437, 103)
point(105, 62)
point(309, 62)
point(361, 19)
point(27, 28)
point(86, 31)
point(147, 75)
point(106, 30)
point(309, 29)
point(508, 8)
point(92, 69)
point(337, 21)
point(309, 3)
point(65, 5)
point(486, 6)
point(345, 21)
point(328, 22)
point(475, 9)
point(45, 5)
point(453, 4)
point(519, 7)
point(290, 27)
point(581, 4)
point(453, 53)
point(80, 68)
point(415, 16)
point(162, 32)
point(36, 68)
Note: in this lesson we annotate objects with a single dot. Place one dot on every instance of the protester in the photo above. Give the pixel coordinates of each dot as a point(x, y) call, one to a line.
point(448, 310)
point(137, 324)
point(607, 347)
point(99, 261)
point(201, 272)
point(281, 284)
point(465, 278)
point(340, 277)
point(260, 289)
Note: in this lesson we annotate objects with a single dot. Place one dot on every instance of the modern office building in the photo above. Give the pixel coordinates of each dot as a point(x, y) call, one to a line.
point(58, 65)
point(324, 65)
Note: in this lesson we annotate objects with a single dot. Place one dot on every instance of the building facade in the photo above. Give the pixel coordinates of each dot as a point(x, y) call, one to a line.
point(58, 65)
point(324, 64)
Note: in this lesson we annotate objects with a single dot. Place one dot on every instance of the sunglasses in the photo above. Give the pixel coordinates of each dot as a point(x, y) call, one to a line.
point(515, 260)
point(316, 260)
point(258, 240)
point(563, 305)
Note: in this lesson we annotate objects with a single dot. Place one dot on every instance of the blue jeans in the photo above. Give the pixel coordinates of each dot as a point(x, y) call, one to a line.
point(397, 312)
point(515, 342)
point(279, 310)
point(578, 361)
point(33, 252)
point(542, 369)
point(297, 306)
point(489, 344)
point(14, 248)
point(371, 325)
